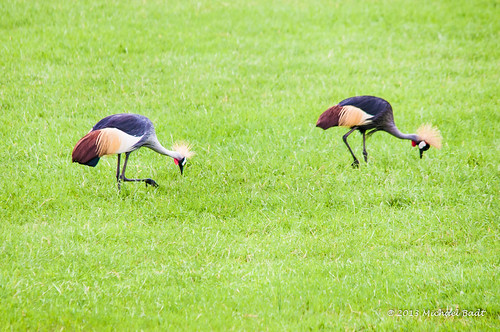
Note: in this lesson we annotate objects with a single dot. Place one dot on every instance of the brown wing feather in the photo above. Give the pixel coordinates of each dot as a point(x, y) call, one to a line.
point(329, 118)
point(86, 148)
point(344, 116)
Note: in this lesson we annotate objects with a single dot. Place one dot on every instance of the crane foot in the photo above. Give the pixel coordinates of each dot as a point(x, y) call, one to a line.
point(355, 163)
point(151, 182)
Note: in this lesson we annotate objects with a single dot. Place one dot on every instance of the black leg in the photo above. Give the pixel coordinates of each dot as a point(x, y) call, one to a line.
point(355, 163)
point(365, 154)
point(118, 171)
point(122, 177)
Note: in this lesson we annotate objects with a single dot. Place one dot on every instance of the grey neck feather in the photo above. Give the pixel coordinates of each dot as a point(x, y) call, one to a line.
point(393, 130)
point(153, 144)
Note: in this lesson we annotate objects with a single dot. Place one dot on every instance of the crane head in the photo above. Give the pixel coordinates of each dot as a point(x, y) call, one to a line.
point(427, 136)
point(422, 146)
point(183, 154)
point(180, 163)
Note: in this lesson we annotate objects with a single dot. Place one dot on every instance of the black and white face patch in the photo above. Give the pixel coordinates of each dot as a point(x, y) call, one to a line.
point(422, 145)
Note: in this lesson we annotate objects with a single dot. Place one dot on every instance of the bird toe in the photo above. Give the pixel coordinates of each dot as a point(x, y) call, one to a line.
point(151, 182)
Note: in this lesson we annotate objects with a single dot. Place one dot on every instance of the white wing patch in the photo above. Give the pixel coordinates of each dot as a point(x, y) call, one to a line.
point(128, 141)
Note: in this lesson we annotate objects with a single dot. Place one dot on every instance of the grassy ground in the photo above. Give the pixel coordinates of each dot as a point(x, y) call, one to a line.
point(269, 228)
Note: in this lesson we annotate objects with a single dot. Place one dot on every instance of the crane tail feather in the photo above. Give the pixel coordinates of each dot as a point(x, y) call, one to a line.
point(86, 151)
point(329, 118)
point(343, 116)
point(96, 144)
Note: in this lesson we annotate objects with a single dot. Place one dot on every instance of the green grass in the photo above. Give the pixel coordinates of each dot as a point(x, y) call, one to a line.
point(269, 228)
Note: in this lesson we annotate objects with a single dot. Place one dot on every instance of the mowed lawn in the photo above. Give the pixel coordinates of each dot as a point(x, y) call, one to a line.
point(269, 228)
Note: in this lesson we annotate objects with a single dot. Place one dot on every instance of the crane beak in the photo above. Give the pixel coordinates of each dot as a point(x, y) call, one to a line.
point(421, 153)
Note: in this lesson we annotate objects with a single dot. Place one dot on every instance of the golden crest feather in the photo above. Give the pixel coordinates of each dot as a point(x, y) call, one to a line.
point(184, 149)
point(431, 135)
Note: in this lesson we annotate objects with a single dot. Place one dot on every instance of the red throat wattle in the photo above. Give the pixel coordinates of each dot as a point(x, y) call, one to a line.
point(413, 143)
point(176, 162)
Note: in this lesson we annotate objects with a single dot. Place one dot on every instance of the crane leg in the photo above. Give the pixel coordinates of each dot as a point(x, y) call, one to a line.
point(355, 163)
point(365, 154)
point(118, 171)
point(122, 176)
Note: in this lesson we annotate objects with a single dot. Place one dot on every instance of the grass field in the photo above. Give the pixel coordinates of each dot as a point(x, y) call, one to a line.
point(269, 228)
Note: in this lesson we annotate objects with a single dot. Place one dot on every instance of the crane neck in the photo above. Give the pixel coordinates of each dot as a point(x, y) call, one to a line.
point(393, 130)
point(156, 146)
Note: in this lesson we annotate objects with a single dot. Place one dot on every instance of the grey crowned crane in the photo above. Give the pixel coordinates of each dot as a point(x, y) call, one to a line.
point(369, 113)
point(124, 133)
